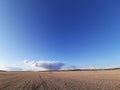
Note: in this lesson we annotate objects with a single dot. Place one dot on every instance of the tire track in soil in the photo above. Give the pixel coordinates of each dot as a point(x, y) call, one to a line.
point(49, 80)
point(36, 82)
point(43, 84)
point(24, 81)
point(32, 82)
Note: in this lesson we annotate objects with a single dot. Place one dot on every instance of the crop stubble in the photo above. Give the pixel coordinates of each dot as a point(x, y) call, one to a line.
point(70, 80)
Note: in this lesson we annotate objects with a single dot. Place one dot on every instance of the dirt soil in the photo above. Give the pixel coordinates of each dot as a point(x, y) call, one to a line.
point(69, 80)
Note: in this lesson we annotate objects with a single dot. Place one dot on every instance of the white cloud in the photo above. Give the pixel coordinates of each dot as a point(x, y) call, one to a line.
point(44, 65)
point(34, 66)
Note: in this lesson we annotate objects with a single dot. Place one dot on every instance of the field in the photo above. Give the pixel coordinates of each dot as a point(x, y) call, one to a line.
point(69, 80)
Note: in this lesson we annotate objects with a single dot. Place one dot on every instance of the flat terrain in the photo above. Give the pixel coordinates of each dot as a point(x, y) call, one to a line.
point(70, 80)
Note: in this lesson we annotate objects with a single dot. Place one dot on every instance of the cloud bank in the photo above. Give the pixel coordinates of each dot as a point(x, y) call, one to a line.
point(44, 65)
point(10, 68)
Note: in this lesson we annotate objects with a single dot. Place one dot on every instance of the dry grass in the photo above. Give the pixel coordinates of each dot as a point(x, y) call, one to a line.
point(71, 80)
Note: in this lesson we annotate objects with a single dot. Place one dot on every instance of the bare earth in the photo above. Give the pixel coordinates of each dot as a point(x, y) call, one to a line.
point(71, 80)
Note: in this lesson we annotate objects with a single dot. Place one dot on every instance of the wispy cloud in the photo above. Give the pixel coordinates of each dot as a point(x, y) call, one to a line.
point(10, 68)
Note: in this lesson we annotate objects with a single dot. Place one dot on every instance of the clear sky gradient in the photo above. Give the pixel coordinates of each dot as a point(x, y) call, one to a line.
point(76, 32)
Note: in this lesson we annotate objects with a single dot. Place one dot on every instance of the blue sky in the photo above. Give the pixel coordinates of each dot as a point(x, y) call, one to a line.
point(76, 32)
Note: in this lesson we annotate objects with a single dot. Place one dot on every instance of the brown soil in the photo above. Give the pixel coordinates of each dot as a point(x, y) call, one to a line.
point(70, 80)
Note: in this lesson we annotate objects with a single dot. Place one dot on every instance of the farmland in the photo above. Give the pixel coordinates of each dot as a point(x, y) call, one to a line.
point(69, 80)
